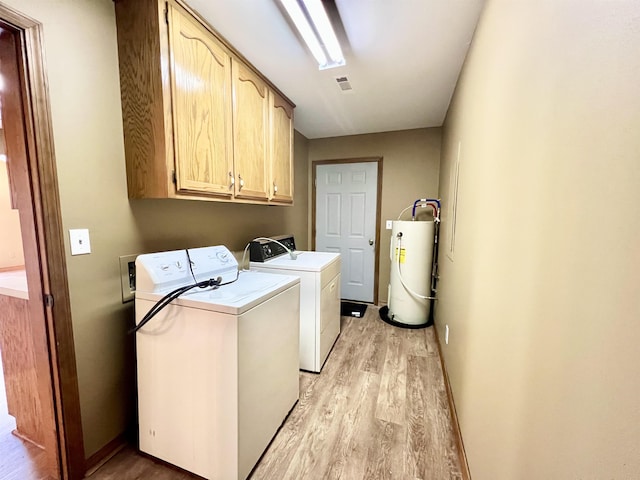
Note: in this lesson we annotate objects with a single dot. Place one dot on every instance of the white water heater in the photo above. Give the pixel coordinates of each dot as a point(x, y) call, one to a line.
point(411, 266)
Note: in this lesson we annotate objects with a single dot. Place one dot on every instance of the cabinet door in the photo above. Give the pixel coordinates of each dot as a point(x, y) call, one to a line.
point(250, 133)
point(201, 100)
point(281, 184)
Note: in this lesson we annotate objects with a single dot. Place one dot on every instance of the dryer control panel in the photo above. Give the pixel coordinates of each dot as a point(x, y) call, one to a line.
point(264, 249)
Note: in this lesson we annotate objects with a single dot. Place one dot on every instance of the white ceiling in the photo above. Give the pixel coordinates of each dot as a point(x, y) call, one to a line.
point(403, 60)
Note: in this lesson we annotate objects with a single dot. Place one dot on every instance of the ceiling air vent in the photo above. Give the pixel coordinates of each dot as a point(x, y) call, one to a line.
point(344, 84)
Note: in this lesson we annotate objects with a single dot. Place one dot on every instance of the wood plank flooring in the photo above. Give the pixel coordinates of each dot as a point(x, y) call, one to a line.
point(378, 410)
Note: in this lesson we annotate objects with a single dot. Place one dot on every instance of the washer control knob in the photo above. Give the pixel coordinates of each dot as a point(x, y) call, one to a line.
point(164, 267)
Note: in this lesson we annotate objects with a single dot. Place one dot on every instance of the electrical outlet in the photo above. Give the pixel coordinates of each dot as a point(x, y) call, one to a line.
point(389, 224)
point(128, 277)
point(446, 334)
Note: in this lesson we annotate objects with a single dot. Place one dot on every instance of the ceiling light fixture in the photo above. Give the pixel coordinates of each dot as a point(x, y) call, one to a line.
point(311, 20)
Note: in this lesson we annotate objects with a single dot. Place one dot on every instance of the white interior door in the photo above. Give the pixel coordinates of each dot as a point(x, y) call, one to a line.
point(346, 202)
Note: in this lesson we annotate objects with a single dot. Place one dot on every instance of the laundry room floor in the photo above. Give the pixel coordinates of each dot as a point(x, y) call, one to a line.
point(378, 410)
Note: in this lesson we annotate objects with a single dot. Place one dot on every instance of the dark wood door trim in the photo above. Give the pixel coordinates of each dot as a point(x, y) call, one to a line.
point(50, 239)
point(315, 164)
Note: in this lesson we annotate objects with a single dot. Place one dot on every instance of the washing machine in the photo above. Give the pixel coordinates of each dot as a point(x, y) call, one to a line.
point(319, 274)
point(218, 366)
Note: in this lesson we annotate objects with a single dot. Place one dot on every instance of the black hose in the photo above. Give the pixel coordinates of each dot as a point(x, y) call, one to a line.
point(171, 296)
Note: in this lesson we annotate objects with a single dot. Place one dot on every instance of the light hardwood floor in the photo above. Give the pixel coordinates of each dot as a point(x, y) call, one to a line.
point(378, 410)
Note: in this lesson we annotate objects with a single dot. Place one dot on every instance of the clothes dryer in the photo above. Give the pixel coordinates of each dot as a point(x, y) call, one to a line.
point(319, 274)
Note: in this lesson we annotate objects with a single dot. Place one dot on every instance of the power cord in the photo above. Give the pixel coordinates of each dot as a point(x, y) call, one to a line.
point(171, 296)
point(190, 265)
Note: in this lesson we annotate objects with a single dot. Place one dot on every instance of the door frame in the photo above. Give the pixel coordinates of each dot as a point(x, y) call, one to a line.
point(58, 363)
point(378, 160)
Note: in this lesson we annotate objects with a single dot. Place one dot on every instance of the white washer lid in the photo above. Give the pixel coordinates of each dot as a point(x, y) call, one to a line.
point(251, 289)
point(305, 261)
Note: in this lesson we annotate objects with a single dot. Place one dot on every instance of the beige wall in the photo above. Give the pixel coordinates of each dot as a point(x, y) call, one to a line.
point(410, 170)
point(173, 224)
point(11, 254)
point(542, 293)
point(80, 45)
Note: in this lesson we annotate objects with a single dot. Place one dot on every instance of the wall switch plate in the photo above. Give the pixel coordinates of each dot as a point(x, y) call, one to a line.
point(128, 277)
point(389, 224)
point(446, 334)
point(80, 242)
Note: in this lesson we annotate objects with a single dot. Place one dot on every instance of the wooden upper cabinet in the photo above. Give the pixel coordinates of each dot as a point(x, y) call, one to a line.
point(250, 132)
point(281, 180)
point(198, 119)
point(200, 72)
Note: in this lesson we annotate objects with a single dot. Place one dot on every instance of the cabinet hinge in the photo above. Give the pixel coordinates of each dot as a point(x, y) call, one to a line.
point(174, 178)
point(48, 300)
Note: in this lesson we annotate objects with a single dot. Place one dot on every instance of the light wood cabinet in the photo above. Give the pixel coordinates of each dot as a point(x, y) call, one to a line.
point(281, 149)
point(199, 121)
point(201, 99)
point(20, 368)
point(250, 132)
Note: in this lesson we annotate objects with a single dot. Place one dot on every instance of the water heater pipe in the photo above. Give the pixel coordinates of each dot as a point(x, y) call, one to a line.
point(427, 201)
point(412, 292)
point(435, 204)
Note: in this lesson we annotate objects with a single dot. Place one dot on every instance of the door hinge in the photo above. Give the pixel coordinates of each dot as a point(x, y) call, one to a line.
point(174, 177)
point(48, 300)
point(166, 13)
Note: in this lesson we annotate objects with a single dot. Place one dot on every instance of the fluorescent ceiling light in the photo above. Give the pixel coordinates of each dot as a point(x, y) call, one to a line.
point(303, 26)
point(318, 35)
point(323, 26)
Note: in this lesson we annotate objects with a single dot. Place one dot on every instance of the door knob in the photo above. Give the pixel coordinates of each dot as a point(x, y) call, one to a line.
point(370, 242)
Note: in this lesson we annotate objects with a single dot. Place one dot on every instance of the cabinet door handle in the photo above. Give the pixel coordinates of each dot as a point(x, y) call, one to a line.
point(275, 188)
point(241, 182)
point(232, 179)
